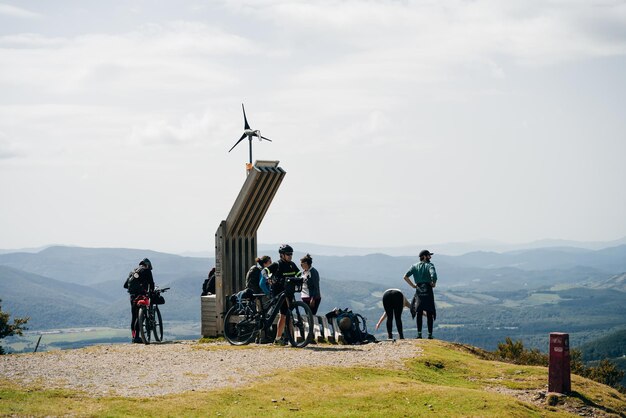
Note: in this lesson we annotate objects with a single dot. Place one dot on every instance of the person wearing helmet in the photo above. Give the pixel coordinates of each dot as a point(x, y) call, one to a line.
point(278, 272)
point(139, 283)
point(425, 278)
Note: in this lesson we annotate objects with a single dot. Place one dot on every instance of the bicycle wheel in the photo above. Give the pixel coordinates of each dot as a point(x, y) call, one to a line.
point(157, 325)
point(145, 327)
point(240, 326)
point(299, 324)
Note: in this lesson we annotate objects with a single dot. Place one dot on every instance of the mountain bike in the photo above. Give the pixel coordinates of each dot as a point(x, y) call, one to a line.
point(250, 317)
point(150, 316)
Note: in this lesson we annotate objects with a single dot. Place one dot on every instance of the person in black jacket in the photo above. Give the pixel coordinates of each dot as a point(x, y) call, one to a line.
point(253, 277)
point(139, 283)
point(208, 287)
point(277, 272)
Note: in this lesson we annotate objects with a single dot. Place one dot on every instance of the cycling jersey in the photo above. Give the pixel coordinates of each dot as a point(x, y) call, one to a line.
point(278, 271)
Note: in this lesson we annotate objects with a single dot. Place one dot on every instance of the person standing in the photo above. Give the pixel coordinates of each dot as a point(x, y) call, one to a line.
point(208, 287)
point(253, 282)
point(425, 279)
point(393, 303)
point(278, 272)
point(139, 283)
point(311, 285)
point(253, 278)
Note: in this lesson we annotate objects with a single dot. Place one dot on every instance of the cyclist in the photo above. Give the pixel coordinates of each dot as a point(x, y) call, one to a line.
point(140, 283)
point(278, 272)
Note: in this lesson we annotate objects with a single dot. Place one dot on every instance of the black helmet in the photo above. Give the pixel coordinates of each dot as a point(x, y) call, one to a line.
point(146, 262)
point(285, 248)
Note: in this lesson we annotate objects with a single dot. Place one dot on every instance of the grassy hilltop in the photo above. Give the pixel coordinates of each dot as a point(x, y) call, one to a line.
point(447, 380)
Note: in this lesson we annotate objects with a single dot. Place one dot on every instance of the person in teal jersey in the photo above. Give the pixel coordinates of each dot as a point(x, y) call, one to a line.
point(424, 280)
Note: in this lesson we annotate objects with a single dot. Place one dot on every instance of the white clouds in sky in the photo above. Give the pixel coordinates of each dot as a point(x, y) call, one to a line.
point(475, 115)
point(17, 12)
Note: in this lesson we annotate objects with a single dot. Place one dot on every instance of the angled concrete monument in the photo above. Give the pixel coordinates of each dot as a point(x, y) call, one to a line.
point(236, 241)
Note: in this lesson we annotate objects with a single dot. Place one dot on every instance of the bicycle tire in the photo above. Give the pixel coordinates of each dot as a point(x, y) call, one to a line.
point(239, 328)
point(158, 325)
point(299, 325)
point(144, 325)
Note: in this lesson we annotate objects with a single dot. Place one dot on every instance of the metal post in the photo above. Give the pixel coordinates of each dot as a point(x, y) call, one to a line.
point(559, 369)
point(38, 341)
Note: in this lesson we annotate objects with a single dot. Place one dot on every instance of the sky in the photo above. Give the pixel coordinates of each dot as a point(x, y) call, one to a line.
point(397, 122)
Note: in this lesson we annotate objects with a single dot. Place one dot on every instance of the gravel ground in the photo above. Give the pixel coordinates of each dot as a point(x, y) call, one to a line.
point(147, 370)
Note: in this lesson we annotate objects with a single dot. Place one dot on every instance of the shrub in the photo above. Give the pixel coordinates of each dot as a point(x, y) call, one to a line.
point(7, 329)
point(515, 352)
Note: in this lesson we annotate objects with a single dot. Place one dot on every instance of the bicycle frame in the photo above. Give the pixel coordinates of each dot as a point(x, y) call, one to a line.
point(274, 304)
point(149, 316)
point(251, 316)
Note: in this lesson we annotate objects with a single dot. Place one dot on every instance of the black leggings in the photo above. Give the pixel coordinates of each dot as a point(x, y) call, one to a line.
point(135, 327)
point(429, 321)
point(393, 302)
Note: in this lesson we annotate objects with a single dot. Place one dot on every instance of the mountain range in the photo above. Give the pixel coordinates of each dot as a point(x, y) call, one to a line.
point(482, 296)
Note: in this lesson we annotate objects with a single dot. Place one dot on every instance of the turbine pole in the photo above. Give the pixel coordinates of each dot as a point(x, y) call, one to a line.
point(250, 141)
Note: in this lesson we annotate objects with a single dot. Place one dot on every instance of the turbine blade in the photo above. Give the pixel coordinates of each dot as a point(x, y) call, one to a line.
point(245, 120)
point(237, 143)
point(267, 139)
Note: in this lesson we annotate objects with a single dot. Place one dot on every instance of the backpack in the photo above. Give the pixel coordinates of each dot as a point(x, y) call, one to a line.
point(352, 325)
point(133, 283)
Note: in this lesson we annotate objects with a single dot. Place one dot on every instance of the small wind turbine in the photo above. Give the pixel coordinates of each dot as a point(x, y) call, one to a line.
point(248, 132)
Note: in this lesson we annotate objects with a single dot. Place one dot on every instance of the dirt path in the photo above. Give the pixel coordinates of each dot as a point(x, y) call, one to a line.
point(148, 370)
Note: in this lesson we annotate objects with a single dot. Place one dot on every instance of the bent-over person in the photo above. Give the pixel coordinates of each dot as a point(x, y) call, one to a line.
point(393, 303)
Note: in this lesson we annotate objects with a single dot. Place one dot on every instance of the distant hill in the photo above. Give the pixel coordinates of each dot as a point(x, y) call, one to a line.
point(617, 282)
point(609, 346)
point(49, 303)
point(481, 298)
point(449, 248)
point(608, 260)
point(93, 265)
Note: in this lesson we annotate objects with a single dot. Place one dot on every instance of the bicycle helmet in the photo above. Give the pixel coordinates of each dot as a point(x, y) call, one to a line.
point(285, 248)
point(147, 263)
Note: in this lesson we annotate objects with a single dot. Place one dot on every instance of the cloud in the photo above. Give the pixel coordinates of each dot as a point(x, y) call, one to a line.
point(177, 55)
point(190, 130)
point(531, 32)
point(8, 150)
point(13, 11)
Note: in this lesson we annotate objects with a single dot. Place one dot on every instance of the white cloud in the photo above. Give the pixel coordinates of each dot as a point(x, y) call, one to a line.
point(361, 99)
point(8, 149)
point(13, 11)
point(190, 130)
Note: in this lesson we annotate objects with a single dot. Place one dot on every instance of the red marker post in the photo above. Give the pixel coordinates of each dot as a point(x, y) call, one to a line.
point(559, 369)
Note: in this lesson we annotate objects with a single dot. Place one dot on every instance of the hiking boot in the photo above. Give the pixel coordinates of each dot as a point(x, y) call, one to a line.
point(137, 340)
point(430, 336)
point(419, 335)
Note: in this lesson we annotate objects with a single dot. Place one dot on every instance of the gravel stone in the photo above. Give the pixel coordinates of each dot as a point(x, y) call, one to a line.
point(137, 370)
